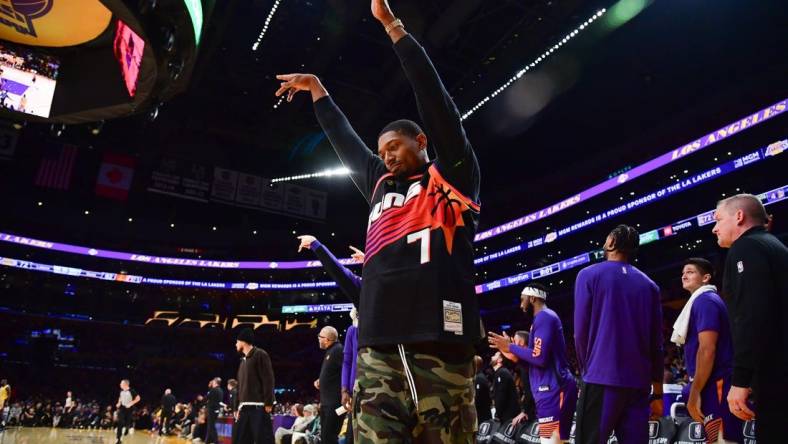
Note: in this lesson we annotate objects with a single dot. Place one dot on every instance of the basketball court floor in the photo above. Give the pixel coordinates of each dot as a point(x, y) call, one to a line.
point(35, 435)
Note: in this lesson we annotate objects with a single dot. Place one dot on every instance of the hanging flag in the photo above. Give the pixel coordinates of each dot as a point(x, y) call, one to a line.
point(56, 167)
point(115, 175)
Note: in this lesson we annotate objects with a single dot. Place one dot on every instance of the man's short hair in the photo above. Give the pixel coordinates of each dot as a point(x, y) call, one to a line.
point(402, 126)
point(522, 334)
point(751, 206)
point(217, 380)
point(704, 266)
point(233, 383)
point(626, 240)
point(331, 332)
point(125, 381)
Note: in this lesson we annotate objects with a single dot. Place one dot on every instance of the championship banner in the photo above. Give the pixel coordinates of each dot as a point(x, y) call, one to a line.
point(181, 178)
point(258, 193)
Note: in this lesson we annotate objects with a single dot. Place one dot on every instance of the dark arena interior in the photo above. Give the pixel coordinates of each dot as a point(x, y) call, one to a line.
point(217, 227)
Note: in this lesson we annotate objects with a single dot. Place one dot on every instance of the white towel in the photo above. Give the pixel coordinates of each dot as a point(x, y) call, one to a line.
point(679, 336)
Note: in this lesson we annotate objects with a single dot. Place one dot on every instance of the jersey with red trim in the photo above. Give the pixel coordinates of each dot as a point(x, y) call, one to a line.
point(418, 271)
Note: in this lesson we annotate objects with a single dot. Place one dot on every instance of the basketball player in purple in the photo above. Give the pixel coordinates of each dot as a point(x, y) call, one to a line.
point(618, 337)
point(703, 329)
point(552, 383)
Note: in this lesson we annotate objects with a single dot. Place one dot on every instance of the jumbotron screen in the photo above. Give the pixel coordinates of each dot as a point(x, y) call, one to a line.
point(128, 50)
point(27, 79)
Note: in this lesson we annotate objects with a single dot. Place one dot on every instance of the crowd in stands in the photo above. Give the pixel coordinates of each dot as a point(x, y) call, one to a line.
point(27, 60)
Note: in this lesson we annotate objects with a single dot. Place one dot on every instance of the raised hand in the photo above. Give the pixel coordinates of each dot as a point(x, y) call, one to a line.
point(306, 242)
point(382, 11)
point(357, 255)
point(497, 341)
point(292, 83)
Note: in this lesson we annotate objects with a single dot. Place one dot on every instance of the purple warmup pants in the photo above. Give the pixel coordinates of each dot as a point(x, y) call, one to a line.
point(602, 409)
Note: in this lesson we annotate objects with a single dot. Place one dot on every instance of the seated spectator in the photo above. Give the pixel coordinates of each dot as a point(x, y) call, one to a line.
point(200, 428)
point(106, 419)
point(304, 417)
point(29, 417)
point(15, 414)
point(311, 432)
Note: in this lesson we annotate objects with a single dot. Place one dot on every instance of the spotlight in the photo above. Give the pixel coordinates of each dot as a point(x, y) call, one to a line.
point(154, 113)
point(57, 129)
point(146, 6)
point(96, 128)
point(175, 67)
point(168, 39)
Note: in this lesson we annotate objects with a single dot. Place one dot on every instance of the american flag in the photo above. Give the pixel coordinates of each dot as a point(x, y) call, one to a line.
point(56, 166)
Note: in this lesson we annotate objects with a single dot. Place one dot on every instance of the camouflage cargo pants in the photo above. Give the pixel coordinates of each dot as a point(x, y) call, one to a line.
point(383, 404)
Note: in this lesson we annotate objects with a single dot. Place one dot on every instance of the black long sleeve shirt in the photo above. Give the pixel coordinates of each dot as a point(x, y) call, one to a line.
point(418, 271)
point(331, 377)
point(168, 402)
point(215, 396)
point(256, 378)
point(756, 285)
point(482, 398)
point(507, 405)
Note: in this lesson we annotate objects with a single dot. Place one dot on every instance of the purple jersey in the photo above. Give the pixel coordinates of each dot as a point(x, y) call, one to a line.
point(349, 359)
point(618, 326)
point(710, 314)
point(545, 356)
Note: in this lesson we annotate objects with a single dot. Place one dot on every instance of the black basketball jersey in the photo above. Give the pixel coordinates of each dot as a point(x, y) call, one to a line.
point(418, 272)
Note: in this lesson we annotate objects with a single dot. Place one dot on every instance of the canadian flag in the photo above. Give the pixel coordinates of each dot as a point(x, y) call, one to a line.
point(115, 174)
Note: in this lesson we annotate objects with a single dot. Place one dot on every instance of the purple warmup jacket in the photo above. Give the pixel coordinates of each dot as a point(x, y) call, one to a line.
point(618, 326)
point(545, 356)
point(349, 360)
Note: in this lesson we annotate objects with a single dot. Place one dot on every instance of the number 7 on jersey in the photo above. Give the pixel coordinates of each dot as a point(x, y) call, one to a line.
point(424, 237)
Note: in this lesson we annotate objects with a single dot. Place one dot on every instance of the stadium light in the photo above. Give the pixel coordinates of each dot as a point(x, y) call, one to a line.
point(539, 59)
point(266, 24)
point(325, 173)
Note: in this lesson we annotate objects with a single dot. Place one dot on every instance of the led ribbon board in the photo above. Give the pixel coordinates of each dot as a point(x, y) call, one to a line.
point(662, 193)
point(320, 308)
point(711, 174)
point(658, 162)
point(705, 218)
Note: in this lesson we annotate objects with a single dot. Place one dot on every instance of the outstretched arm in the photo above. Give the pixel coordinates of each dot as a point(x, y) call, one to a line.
point(437, 110)
point(348, 282)
point(365, 168)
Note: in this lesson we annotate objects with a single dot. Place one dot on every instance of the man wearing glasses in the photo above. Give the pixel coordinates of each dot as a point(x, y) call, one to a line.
point(329, 385)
